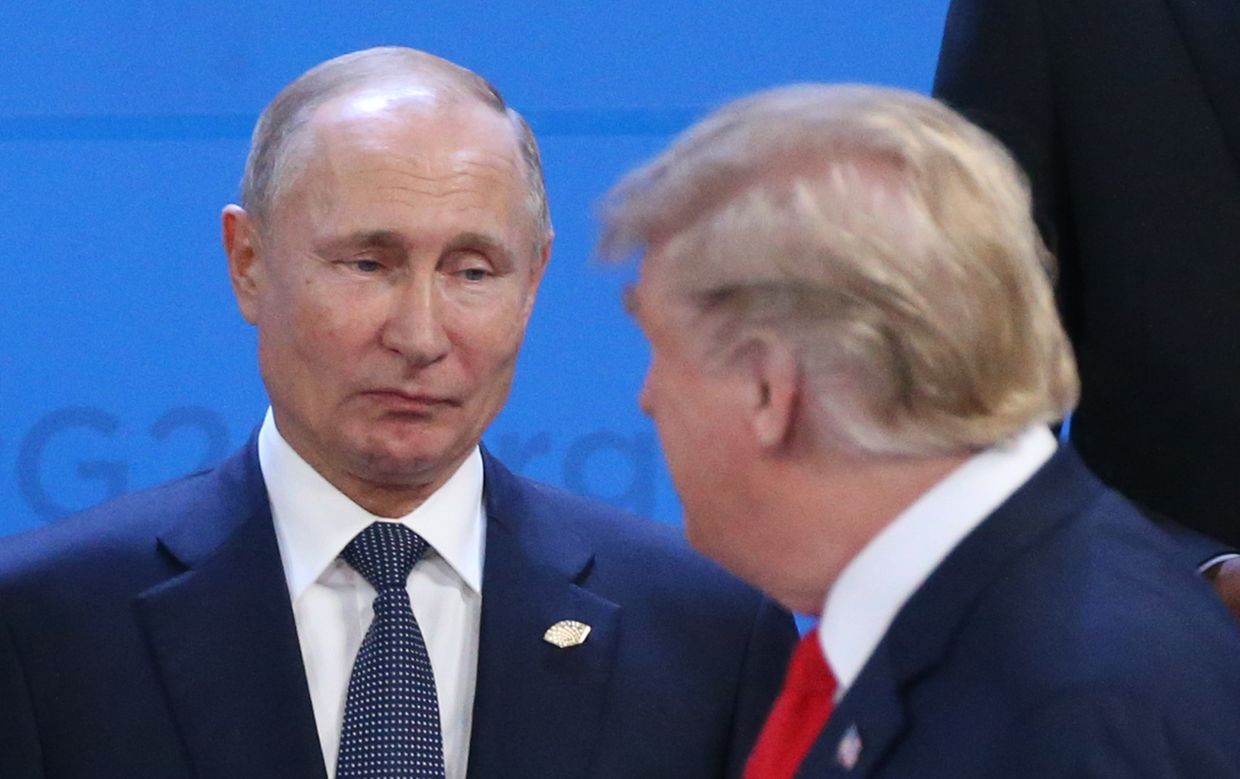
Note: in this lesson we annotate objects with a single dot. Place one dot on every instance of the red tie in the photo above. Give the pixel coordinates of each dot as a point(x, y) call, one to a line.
point(798, 715)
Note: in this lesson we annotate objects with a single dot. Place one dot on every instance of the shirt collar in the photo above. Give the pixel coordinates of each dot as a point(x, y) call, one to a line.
point(314, 521)
point(876, 584)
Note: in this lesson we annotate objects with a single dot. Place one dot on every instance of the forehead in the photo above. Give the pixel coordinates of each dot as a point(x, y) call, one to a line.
point(665, 273)
point(377, 146)
point(410, 121)
point(658, 300)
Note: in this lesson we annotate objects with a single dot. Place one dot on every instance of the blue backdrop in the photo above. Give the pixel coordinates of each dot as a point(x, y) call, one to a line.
point(123, 130)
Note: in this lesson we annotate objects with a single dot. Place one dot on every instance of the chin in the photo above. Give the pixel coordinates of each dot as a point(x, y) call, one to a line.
point(737, 555)
point(402, 466)
point(708, 542)
point(404, 462)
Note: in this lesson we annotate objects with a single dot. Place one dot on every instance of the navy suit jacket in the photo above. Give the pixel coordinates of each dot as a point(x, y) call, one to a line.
point(1126, 116)
point(1064, 637)
point(154, 637)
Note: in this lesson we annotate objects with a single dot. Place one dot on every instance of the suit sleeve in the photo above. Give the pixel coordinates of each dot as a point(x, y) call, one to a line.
point(1197, 549)
point(771, 642)
point(1102, 735)
point(20, 753)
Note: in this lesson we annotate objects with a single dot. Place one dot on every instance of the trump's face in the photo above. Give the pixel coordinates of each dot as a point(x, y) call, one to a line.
point(693, 409)
point(391, 289)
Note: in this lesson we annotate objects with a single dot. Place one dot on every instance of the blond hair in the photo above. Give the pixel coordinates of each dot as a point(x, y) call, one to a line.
point(885, 237)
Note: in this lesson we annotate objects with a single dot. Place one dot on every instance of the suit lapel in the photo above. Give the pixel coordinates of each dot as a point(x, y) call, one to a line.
point(863, 727)
point(1212, 32)
point(868, 722)
point(224, 639)
point(538, 709)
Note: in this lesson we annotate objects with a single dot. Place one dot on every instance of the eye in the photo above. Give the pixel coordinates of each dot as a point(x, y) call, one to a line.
point(366, 265)
point(468, 265)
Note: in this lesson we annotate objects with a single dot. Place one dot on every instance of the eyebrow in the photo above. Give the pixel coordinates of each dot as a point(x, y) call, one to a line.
point(369, 239)
point(470, 240)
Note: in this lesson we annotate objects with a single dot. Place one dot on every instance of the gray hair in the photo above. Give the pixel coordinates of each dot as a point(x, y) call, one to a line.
point(271, 167)
point(890, 241)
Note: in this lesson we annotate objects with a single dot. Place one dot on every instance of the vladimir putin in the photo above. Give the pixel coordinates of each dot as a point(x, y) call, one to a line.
point(362, 590)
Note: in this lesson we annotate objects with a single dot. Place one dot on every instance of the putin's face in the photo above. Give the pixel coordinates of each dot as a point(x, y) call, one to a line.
point(391, 286)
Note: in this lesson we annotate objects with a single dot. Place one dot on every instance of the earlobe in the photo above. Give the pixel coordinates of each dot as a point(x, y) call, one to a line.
point(241, 245)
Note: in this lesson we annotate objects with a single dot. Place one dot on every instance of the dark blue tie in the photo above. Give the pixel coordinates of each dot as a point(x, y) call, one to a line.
point(391, 715)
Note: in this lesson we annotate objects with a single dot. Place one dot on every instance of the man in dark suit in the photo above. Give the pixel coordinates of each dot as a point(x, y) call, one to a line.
point(390, 243)
point(1126, 116)
point(855, 357)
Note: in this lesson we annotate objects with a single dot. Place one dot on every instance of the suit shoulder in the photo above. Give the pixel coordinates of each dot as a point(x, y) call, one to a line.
point(637, 551)
point(608, 526)
point(593, 516)
point(1087, 627)
point(99, 537)
point(1107, 600)
point(1131, 733)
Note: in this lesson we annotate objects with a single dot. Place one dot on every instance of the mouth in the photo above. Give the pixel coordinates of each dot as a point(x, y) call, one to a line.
point(400, 402)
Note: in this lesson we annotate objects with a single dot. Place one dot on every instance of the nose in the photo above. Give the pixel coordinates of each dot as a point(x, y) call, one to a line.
point(643, 397)
point(415, 327)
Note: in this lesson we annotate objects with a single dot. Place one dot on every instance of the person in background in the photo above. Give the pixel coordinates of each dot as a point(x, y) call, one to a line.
point(1126, 117)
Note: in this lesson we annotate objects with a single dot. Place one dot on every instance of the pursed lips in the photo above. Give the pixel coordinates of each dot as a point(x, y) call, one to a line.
point(410, 402)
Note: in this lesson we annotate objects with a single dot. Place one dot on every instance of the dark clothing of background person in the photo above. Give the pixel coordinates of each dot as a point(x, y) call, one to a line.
point(1126, 116)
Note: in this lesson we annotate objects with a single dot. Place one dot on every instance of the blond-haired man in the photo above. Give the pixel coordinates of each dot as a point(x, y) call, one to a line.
point(855, 356)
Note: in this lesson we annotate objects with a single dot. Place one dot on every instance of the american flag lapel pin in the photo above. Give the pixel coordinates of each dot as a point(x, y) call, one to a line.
point(848, 751)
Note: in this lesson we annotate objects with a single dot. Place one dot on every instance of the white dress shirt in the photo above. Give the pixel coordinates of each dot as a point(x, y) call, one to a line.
point(876, 584)
point(332, 603)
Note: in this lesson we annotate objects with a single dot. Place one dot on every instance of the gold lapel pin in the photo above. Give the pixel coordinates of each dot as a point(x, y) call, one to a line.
point(566, 633)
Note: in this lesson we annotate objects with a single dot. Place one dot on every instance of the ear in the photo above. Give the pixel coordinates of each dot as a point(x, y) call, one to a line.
point(773, 393)
point(540, 264)
point(240, 235)
point(537, 268)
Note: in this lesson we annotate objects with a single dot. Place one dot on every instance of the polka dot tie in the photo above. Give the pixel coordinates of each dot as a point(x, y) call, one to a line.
point(391, 716)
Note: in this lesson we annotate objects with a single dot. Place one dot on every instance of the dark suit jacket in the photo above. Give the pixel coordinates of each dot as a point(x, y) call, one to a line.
point(1126, 115)
point(1062, 638)
point(154, 637)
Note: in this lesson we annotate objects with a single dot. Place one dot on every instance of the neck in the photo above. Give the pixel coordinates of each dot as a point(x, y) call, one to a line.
point(384, 500)
point(829, 507)
point(385, 493)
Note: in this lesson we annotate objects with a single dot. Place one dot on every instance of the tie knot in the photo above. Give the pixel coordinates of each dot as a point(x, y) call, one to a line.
point(808, 670)
point(384, 554)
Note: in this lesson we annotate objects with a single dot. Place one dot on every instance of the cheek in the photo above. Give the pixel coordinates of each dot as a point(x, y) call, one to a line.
point(487, 334)
point(488, 358)
point(696, 434)
point(324, 314)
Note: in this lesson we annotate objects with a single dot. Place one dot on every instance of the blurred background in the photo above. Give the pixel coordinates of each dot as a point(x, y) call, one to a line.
point(123, 130)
